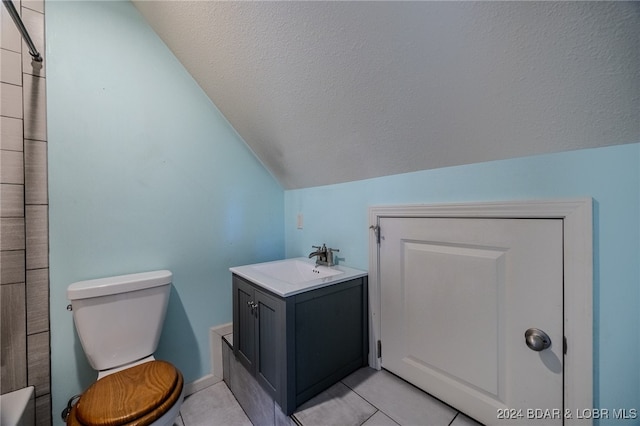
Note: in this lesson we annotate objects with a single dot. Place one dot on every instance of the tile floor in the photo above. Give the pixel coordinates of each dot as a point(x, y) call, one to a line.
point(366, 397)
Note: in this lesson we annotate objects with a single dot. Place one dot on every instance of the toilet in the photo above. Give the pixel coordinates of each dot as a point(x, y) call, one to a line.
point(119, 321)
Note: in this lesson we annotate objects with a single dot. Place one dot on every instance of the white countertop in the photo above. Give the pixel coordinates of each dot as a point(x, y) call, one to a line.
point(285, 288)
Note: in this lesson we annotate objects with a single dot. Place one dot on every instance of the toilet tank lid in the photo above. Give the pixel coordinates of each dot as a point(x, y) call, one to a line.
point(120, 284)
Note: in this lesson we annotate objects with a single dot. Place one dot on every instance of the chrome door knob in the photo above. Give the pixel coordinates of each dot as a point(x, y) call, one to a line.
point(537, 340)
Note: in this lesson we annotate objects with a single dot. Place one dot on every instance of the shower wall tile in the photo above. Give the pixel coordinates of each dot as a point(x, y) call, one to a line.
point(11, 200)
point(38, 362)
point(24, 250)
point(43, 410)
point(11, 134)
point(35, 118)
point(13, 266)
point(11, 167)
point(34, 22)
point(10, 67)
point(13, 333)
point(9, 35)
point(37, 300)
point(11, 100)
point(37, 5)
point(35, 172)
point(37, 242)
point(13, 237)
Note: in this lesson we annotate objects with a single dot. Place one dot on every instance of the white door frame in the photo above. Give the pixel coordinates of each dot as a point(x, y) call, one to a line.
point(577, 219)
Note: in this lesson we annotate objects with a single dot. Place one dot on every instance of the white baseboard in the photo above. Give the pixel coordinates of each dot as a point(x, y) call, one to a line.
point(215, 340)
point(215, 343)
point(199, 384)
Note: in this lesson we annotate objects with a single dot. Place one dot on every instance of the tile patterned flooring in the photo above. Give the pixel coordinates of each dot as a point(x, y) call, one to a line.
point(367, 397)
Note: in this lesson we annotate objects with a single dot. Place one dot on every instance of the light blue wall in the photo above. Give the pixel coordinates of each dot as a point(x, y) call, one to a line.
point(144, 174)
point(338, 216)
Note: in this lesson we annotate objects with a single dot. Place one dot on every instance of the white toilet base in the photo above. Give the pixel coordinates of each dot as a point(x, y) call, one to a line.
point(169, 418)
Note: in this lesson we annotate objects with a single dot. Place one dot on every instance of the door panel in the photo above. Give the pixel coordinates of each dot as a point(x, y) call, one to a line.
point(267, 341)
point(471, 305)
point(457, 296)
point(244, 323)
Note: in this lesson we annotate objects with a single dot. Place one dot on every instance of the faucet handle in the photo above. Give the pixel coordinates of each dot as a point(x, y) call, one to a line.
point(330, 252)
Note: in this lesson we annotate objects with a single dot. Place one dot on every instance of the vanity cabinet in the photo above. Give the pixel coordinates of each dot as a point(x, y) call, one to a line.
point(298, 346)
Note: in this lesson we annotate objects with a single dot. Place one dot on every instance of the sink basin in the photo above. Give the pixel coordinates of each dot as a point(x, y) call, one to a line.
point(294, 276)
point(295, 271)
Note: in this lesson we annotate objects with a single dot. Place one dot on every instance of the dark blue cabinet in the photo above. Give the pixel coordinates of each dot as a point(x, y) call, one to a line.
point(298, 346)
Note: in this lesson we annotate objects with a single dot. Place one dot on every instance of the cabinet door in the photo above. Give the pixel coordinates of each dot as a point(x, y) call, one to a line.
point(244, 336)
point(269, 342)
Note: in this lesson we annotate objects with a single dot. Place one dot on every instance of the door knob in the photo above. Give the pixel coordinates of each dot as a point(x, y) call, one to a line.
point(537, 340)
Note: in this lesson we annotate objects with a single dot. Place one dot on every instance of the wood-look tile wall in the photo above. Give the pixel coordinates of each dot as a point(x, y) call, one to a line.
point(24, 240)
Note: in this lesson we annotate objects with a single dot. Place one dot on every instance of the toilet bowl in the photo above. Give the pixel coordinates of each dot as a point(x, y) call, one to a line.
point(119, 320)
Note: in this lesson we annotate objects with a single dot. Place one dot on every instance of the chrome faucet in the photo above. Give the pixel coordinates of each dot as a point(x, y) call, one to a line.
point(321, 253)
point(324, 255)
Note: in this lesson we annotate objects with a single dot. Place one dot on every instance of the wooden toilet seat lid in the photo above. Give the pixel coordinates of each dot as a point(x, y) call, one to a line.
point(136, 396)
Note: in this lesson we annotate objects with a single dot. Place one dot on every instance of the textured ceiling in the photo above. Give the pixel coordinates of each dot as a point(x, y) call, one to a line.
point(327, 92)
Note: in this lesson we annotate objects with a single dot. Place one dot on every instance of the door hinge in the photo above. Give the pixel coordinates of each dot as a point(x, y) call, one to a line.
point(376, 230)
point(564, 344)
point(379, 349)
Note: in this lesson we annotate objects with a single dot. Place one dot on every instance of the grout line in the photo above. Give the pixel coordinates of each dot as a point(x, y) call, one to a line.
point(295, 420)
point(374, 413)
point(369, 402)
point(361, 396)
point(454, 418)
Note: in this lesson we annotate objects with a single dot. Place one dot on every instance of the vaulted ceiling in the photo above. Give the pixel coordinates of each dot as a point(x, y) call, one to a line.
point(329, 91)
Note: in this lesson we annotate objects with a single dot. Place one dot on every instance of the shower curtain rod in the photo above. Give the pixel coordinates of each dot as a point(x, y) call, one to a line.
point(23, 30)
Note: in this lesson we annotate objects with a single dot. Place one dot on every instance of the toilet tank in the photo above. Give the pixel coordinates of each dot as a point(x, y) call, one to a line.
point(119, 319)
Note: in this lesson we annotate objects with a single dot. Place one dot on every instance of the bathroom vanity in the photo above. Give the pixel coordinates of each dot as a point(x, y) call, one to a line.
point(299, 328)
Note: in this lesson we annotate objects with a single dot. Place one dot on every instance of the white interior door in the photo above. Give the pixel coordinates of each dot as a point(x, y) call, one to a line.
point(456, 298)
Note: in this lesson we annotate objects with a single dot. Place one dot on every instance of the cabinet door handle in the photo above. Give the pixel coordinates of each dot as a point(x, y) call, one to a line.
point(254, 307)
